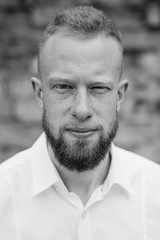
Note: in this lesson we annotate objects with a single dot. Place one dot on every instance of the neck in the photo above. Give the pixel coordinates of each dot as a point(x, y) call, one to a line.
point(83, 184)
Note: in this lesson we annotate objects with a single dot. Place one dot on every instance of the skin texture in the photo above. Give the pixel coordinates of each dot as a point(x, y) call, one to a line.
point(80, 91)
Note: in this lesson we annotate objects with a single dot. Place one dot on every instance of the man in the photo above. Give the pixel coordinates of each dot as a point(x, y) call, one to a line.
point(73, 183)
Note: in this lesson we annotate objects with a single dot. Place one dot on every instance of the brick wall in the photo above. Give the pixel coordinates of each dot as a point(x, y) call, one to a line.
point(21, 22)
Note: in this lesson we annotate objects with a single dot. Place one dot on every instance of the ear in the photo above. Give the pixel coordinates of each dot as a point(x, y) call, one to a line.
point(122, 87)
point(37, 87)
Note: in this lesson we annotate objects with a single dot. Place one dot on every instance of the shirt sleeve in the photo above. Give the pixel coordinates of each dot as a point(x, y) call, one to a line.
point(152, 201)
point(7, 214)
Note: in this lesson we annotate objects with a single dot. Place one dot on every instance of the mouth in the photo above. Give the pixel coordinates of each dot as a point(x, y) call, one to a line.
point(81, 132)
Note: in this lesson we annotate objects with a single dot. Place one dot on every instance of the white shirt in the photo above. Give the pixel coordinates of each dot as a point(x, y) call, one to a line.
point(35, 204)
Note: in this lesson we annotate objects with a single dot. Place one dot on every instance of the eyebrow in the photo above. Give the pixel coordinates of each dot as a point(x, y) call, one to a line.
point(57, 80)
point(101, 83)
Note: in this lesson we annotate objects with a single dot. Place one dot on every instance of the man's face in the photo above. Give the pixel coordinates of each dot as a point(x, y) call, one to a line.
point(81, 95)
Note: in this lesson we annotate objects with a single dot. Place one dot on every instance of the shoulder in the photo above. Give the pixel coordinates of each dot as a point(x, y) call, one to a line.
point(16, 161)
point(136, 160)
point(10, 171)
point(138, 166)
point(14, 169)
point(145, 172)
point(23, 158)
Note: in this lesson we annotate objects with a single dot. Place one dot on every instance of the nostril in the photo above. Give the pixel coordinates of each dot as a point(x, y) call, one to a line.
point(81, 115)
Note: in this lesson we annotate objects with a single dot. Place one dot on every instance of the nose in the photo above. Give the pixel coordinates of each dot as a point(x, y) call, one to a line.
point(81, 108)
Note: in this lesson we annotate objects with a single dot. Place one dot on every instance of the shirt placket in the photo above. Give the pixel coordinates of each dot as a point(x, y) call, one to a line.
point(84, 226)
point(84, 223)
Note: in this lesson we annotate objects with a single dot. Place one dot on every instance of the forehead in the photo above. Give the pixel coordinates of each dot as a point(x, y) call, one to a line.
point(68, 54)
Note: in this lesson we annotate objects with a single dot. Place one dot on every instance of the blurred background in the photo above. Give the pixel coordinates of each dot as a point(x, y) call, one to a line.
point(21, 23)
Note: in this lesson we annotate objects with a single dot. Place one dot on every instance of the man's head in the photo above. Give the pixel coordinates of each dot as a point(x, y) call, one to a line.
point(79, 87)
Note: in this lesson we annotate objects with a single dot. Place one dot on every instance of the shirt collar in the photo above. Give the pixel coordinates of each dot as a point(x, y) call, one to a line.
point(44, 173)
point(118, 173)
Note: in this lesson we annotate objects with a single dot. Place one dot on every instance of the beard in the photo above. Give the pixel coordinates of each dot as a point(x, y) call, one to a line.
point(79, 155)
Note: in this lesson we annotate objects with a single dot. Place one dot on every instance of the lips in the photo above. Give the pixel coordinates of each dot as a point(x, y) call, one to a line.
point(81, 132)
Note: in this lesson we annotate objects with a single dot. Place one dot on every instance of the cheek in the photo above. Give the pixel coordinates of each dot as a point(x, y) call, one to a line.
point(106, 113)
point(106, 107)
point(56, 110)
point(109, 114)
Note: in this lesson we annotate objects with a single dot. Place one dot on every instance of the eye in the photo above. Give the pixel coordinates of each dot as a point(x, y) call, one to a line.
point(99, 89)
point(63, 88)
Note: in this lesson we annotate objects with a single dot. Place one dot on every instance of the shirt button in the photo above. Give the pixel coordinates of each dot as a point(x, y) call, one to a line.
point(84, 215)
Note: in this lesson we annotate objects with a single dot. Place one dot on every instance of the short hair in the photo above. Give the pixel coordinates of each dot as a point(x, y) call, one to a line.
point(83, 22)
